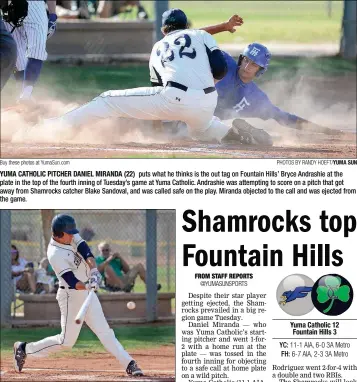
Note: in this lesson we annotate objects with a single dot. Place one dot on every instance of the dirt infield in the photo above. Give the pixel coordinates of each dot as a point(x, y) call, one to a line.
point(158, 365)
point(326, 148)
point(328, 101)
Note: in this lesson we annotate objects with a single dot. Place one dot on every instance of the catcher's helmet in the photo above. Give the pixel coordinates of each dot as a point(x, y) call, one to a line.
point(63, 223)
point(259, 54)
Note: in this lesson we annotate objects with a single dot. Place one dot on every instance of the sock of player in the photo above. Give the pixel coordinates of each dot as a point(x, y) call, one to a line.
point(32, 73)
point(19, 78)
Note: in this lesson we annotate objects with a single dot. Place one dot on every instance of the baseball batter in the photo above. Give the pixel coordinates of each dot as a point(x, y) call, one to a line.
point(185, 63)
point(31, 40)
point(75, 267)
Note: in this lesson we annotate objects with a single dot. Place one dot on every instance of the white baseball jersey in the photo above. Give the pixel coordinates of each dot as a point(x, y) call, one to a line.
point(31, 37)
point(181, 56)
point(64, 258)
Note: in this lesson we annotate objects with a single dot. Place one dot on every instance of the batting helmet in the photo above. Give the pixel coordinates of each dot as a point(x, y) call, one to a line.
point(259, 54)
point(63, 223)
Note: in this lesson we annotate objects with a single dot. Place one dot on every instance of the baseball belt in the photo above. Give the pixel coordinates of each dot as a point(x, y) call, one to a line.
point(176, 85)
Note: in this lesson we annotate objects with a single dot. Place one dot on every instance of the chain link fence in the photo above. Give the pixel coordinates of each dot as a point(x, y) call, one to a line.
point(124, 231)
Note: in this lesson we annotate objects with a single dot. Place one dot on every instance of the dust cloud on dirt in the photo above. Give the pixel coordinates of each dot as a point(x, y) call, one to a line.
point(324, 100)
point(328, 101)
point(21, 127)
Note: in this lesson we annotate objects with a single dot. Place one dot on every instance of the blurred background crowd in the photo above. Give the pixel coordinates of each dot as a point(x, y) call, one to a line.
point(74, 9)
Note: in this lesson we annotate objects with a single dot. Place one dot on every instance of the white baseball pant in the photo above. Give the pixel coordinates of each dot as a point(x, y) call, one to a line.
point(193, 107)
point(70, 301)
point(31, 37)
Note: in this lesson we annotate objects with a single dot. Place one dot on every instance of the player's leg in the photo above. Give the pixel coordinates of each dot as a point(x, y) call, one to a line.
point(19, 36)
point(204, 127)
point(35, 26)
point(201, 124)
point(217, 129)
point(138, 103)
point(97, 322)
point(8, 54)
point(69, 303)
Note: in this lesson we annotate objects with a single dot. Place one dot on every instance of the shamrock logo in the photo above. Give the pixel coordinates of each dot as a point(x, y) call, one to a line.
point(332, 290)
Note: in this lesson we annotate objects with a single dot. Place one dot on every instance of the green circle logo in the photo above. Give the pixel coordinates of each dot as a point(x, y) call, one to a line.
point(332, 295)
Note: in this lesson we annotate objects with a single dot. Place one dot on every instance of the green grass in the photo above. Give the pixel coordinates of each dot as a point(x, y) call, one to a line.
point(81, 84)
point(132, 338)
point(283, 21)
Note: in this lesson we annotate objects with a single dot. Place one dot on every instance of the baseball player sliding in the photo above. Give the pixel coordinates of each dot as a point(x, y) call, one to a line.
point(185, 64)
point(31, 40)
point(75, 268)
point(240, 97)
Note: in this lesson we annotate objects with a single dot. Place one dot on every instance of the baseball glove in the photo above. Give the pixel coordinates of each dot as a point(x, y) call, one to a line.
point(246, 134)
point(15, 12)
point(52, 25)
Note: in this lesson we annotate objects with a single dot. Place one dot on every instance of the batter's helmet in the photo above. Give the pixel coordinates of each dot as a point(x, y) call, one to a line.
point(259, 54)
point(63, 223)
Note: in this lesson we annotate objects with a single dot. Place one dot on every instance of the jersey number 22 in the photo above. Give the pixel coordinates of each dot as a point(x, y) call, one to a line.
point(167, 53)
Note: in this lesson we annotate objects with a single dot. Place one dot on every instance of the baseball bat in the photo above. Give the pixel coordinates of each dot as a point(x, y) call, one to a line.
point(83, 310)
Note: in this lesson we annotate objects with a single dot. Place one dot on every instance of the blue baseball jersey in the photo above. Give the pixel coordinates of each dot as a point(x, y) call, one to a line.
point(239, 100)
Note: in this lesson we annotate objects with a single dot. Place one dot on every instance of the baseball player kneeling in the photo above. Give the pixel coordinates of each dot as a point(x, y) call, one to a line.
point(75, 267)
point(184, 64)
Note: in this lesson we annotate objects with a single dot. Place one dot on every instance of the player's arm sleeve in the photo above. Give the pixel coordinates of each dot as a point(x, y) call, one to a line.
point(218, 64)
point(82, 246)
point(216, 58)
point(266, 110)
point(70, 279)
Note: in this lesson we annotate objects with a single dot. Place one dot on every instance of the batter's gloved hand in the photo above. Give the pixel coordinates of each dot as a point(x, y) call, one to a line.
point(52, 25)
point(95, 273)
point(92, 286)
point(92, 283)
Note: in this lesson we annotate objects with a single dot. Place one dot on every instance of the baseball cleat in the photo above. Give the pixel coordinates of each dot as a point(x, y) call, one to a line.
point(19, 356)
point(134, 370)
point(246, 134)
point(235, 135)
